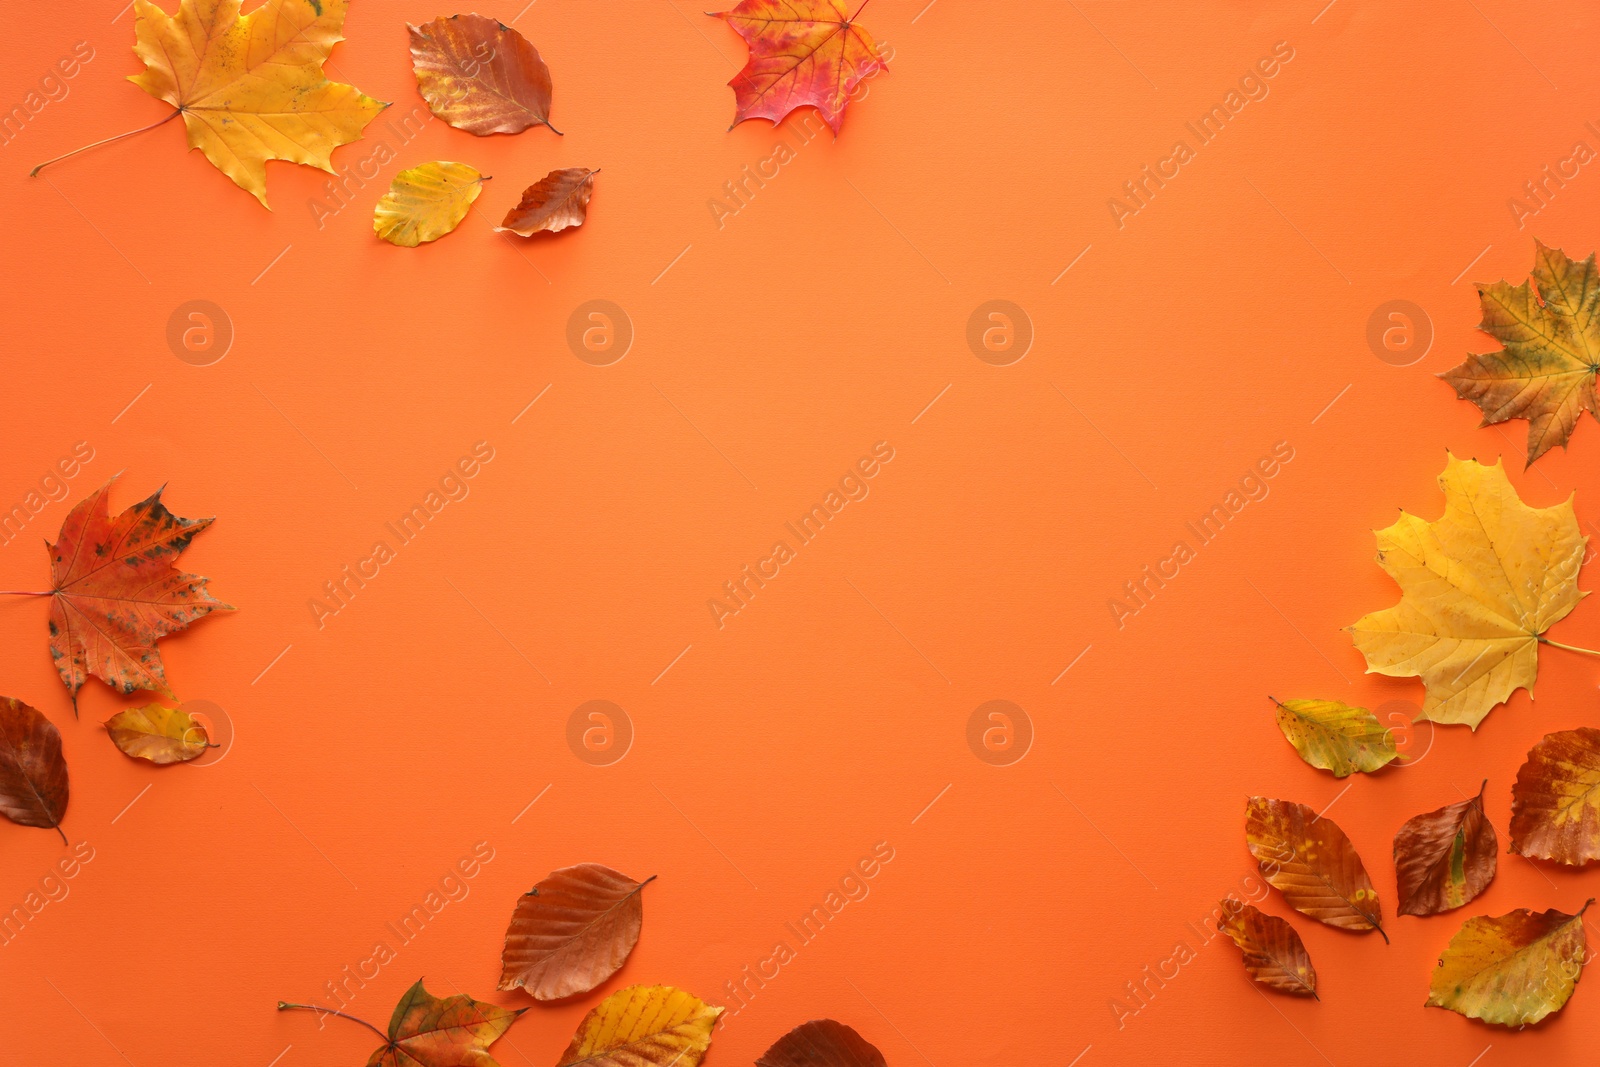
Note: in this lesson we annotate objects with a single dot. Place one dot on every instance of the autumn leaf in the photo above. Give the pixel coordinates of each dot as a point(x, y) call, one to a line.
point(1555, 803)
point(572, 931)
point(1274, 955)
point(1444, 858)
point(430, 1031)
point(1479, 588)
point(33, 773)
point(1545, 372)
point(643, 1025)
point(425, 203)
point(558, 200)
point(802, 53)
point(158, 734)
point(821, 1043)
point(1336, 737)
point(251, 88)
point(480, 76)
point(116, 592)
point(1512, 969)
point(1312, 862)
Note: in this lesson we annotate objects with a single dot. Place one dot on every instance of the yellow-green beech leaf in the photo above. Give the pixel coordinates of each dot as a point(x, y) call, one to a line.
point(1479, 588)
point(426, 202)
point(158, 734)
point(1336, 737)
point(1512, 969)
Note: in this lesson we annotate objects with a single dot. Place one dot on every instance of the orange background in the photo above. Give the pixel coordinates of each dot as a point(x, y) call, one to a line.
point(770, 353)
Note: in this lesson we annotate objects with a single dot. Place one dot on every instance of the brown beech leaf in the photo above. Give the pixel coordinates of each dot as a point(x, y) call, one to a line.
point(1555, 803)
point(1273, 953)
point(558, 200)
point(1512, 969)
point(644, 1026)
point(1444, 858)
point(116, 592)
point(33, 773)
point(1312, 863)
point(572, 931)
point(480, 76)
point(821, 1043)
point(158, 734)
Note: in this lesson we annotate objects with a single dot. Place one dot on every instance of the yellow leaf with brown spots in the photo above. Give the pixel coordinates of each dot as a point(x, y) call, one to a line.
point(1512, 969)
point(1336, 737)
point(1479, 587)
point(1312, 863)
point(657, 1026)
point(159, 734)
point(1555, 803)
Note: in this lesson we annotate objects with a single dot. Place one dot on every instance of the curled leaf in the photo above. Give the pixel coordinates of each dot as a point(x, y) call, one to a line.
point(1512, 969)
point(1274, 955)
point(1546, 371)
point(644, 1026)
point(558, 200)
point(33, 773)
point(426, 202)
point(572, 931)
point(821, 1043)
point(116, 592)
point(1555, 803)
point(479, 75)
point(158, 734)
point(1336, 737)
point(1444, 858)
point(1312, 862)
point(1479, 588)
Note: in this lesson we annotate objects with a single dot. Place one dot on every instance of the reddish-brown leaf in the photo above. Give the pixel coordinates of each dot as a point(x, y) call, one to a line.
point(1312, 862)
point(1555, 803)
point(116, 592)
point(1444, 858)
point(558, 200)
point(802, 53)
point(1273, 953)
point(480, 76)
point(572, 931)
point(33, 774)
point(821, 1043)
point(430, 1031)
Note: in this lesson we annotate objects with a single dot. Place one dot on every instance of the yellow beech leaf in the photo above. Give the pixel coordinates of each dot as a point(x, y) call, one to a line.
point(1336, 737)
point(426, 202)
point(644, 1025)
point(1511, 969)
point(251, 88)
point(158, 734)
point(1479, 588)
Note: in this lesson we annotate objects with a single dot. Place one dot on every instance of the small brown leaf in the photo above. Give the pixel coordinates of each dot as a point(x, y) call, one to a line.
point(1444, 858)
point(158, 734)
point(1555, 803)
point(480, 76)
point(572, 931)
point(1312, 862)
point(33, 773)
point(1273, 953)
point(558, 200)
point(821, 1043)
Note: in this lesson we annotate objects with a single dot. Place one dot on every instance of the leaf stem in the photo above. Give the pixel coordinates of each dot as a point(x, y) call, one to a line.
point(35, 171)
point(286, 1006)
point(19, 592)
point(1569, 648)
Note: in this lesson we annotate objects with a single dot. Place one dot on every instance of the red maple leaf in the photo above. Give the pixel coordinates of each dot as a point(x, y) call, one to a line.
point(802, 53)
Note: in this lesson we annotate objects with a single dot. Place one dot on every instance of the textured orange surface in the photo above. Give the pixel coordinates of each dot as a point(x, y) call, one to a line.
point(799, 313)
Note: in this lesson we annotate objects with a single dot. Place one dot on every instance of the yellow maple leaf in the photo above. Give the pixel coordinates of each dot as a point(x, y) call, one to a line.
point(1480, 587)
point(251, 88)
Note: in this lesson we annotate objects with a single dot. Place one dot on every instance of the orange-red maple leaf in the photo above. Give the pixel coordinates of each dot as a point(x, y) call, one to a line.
point(802, 53)
point(115, 592)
